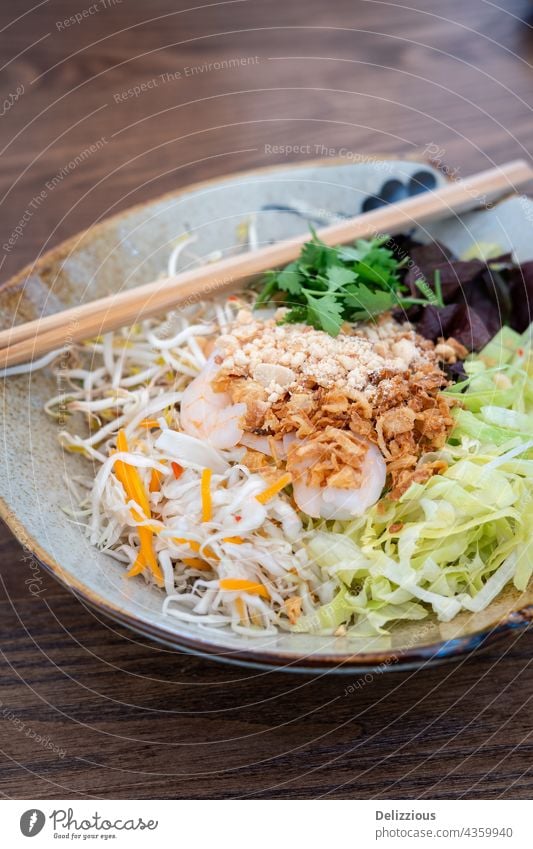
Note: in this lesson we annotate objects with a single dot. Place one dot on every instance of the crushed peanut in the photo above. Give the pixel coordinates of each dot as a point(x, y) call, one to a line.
point(288, 357)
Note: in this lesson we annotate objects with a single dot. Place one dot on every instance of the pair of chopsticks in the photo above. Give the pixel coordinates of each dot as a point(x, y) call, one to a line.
point(27, 342)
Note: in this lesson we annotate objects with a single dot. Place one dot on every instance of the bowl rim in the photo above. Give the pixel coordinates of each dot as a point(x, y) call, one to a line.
point(354, 663)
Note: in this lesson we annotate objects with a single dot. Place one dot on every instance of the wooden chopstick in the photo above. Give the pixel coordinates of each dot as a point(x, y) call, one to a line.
point(29, 341)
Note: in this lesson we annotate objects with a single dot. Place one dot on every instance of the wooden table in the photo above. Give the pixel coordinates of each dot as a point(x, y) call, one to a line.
point(120, 717)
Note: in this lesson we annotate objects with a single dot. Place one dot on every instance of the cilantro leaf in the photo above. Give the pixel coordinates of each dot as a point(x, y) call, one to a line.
point(290, 279)
point(327, 286)
point(269, 289)
point(338, 276)
point(366, 304)
point(296, 315)
point(350, 254)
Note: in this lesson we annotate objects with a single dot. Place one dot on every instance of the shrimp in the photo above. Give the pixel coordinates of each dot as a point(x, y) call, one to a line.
point(210, 415)
point(331, 502)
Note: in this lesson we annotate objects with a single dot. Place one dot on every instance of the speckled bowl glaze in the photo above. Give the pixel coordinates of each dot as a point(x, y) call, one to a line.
point(132, 248)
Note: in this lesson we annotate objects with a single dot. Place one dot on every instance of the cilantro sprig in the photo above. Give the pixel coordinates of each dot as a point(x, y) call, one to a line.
point(327, 286)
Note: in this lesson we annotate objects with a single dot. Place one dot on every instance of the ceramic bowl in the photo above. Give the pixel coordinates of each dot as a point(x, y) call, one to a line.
point(132, 248)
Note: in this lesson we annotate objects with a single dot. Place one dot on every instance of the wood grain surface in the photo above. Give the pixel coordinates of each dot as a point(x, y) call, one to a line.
point(86, 708)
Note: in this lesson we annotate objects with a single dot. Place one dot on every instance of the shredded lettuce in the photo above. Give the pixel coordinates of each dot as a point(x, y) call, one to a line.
point(453, 543)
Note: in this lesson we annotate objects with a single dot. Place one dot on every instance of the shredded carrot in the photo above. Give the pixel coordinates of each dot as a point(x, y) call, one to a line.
point(207, 501)
point(130, 478)
point(137, 567)
point(146, 557)
point(234, 540)
point(135, 491)
point(155, 480)
point(190, 542)
point(148, 423)
point(122, 475)
point(177, 469)
point(273, 489)
point(147, 549)
point(196, 563)
point(122, 442)
point(242, 585)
